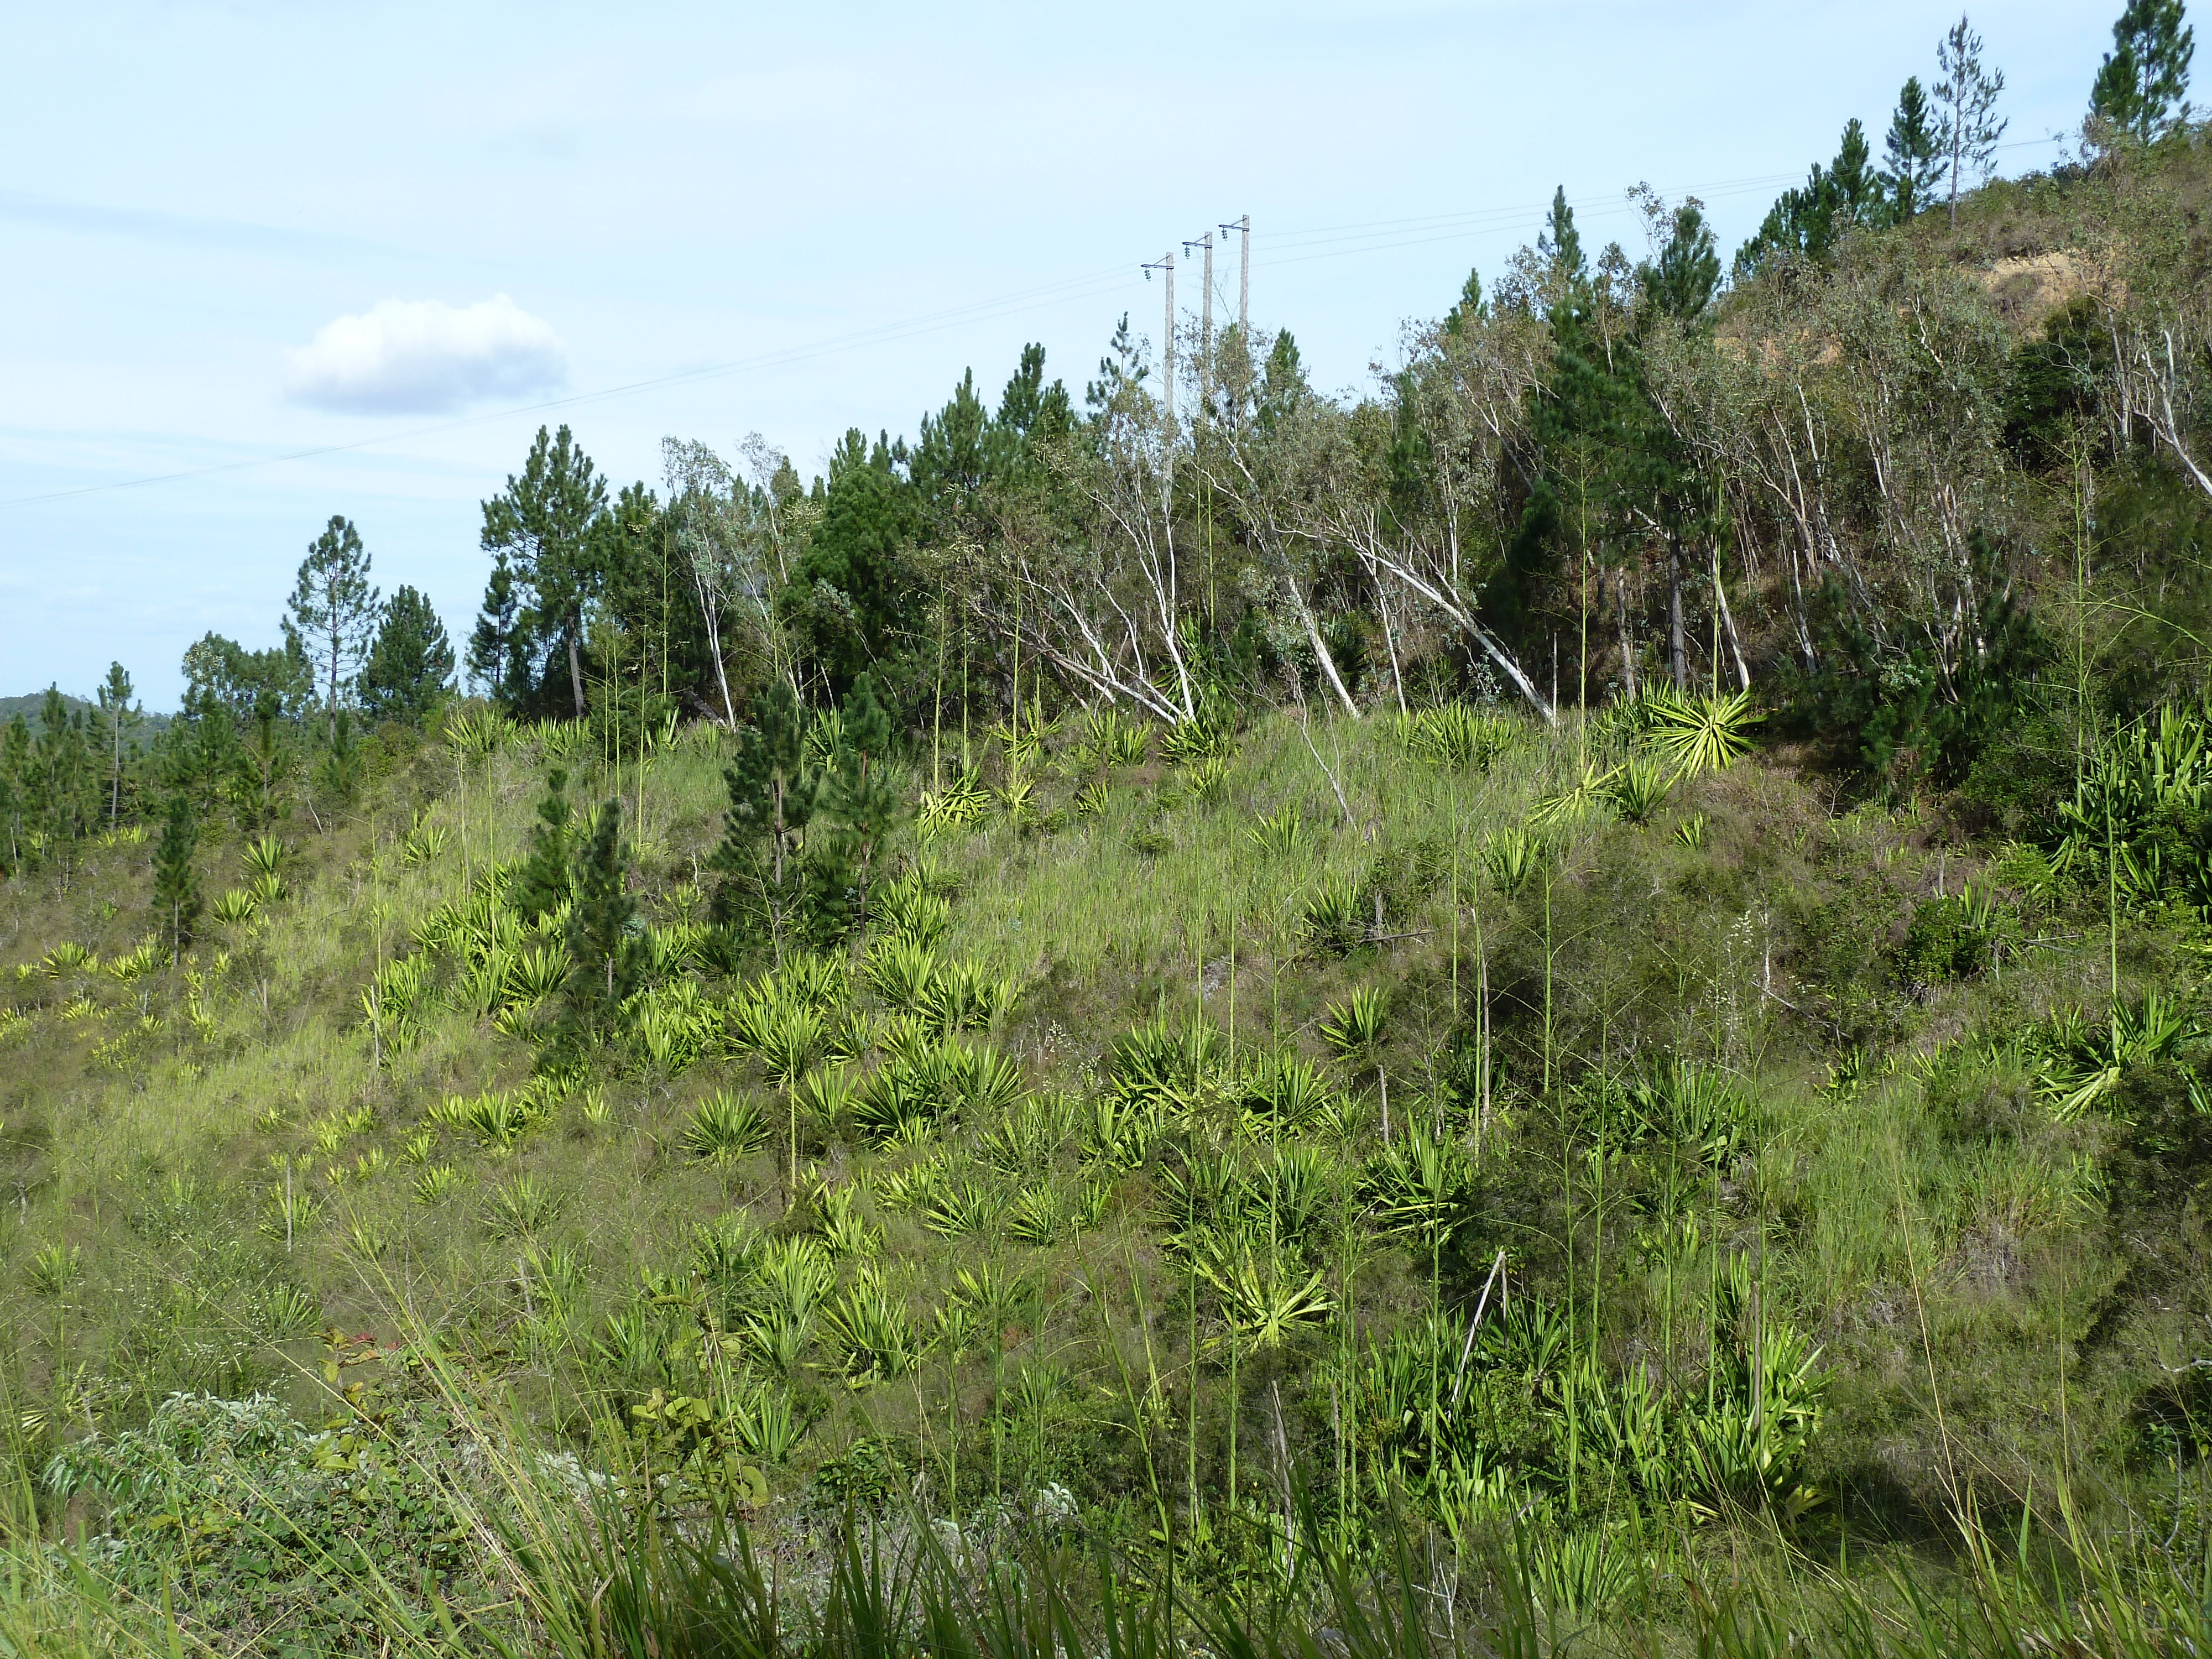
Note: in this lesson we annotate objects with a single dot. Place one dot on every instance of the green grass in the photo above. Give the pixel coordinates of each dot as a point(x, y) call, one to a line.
point(1005, 1302)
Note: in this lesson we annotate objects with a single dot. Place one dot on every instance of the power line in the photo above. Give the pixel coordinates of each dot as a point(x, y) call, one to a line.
point(1367, 236)
point(1089, 285)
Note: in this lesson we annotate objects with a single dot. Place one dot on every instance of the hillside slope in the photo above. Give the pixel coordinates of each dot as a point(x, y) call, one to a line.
point(1154, 1144)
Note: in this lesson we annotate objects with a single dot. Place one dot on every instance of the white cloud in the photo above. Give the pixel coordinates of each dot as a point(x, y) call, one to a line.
point(424, 356)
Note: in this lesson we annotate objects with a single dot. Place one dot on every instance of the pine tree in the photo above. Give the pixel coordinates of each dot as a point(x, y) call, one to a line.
point(1855, 186)
point(411, 668)
point(1470, 307)
point(498, 657)
point(2141, 88)
point(1967, 94)
point(1913, 150)
point(64, 785)
point(541, 521)
point(14, 790)
point(338, 773)
point(117, 715)
point(176, 883)
point(606, 954)
point(333, 608)
point(773, 793)
point(1560, 244)
point(544, 882)
point(1810, 220)
point(861, 795)
point(262, 765)
point(1682, 280)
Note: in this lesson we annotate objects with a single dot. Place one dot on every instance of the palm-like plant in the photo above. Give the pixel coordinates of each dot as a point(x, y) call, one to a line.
point(1286, 1093)
point(518, 1208)
point(903, 972)
point(890, 1104)
point(1514, 857)
point(236, 906)
point(1419, 1185)
point(724, 1127)
point(1585, 795)
point(1267, 1295)
point(790, 1278)
point(964, 1206)
point(1354, 1028)
point(1454, 735)
point(1333, 921)
point(1695, 735)
point(1637, 788)
point(1282, 834)
point(789, 1034)
point(538, 973)
point(265, 857)
point(873, 1332)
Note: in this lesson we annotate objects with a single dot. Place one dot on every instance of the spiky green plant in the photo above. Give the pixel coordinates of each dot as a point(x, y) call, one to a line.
point(265, 857)
point(1334, 918)
point(1454, 735)
point(1694, 735)
point(1637, 788)
point(874, 1334)
point(235, 907)
point(724, 1127)
point(1355, 1027)
point(1513, 857)
point(519, 1207)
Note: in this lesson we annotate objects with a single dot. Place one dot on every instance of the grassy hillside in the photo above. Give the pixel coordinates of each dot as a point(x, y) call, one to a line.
point(1443, 1125)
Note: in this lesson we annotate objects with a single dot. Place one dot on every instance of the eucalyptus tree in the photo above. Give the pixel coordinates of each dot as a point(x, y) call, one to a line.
point(1270, 464)
point(1082, 567)
point(726, 532)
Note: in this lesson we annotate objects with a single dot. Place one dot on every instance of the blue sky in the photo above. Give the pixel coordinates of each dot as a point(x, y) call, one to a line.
point(380, 231)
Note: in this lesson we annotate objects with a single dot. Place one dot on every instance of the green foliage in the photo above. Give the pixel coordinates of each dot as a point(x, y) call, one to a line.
point(2142, 85)
point(1894, 710)
point(1808, 222)
point(176, 881)
point(410, 668)
point(333, 610)
point(237, 1516)
point(1696, 735)
point(773, 788)
point(724, 1127)
point(1454, 735)
point(604, 946)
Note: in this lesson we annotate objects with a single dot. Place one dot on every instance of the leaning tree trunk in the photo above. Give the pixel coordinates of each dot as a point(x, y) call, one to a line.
point(575, 672)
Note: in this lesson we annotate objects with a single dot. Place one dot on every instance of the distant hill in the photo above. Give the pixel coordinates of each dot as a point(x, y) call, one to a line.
point(149, 725)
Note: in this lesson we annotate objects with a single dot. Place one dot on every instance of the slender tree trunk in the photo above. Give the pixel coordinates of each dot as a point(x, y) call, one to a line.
point(1322, 652)
point(575, 667)
point(1627, 640)
point(1397, 679)
point(1727, 623)
point(1678, 659)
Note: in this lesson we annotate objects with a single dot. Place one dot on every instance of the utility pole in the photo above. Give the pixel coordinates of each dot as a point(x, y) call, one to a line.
point(1166, 263)
point(1205, 311)
point(1243, 226)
